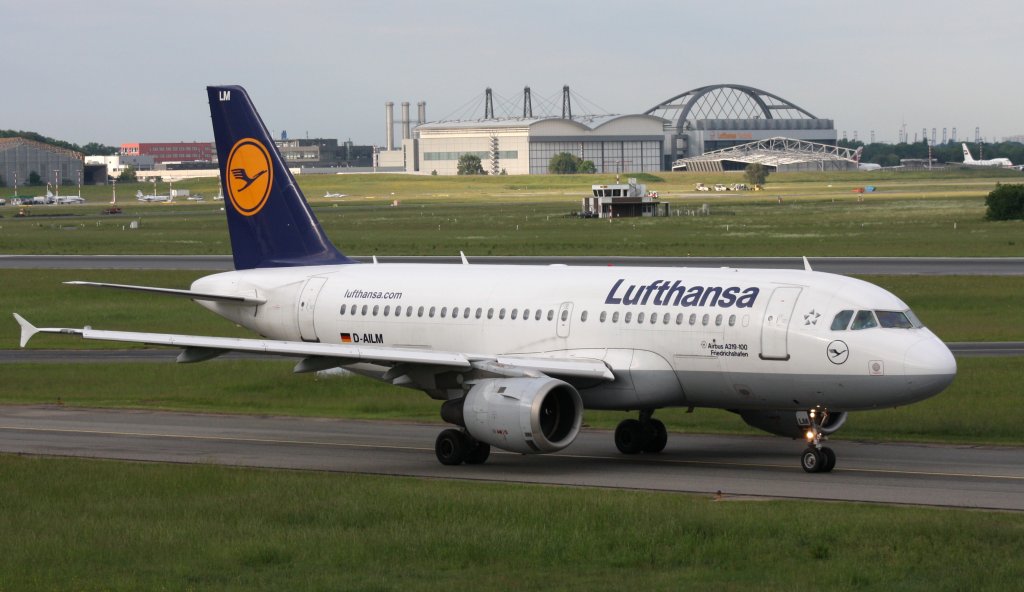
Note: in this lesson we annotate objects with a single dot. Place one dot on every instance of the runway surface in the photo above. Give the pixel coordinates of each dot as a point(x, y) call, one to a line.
point(840, 265)
point(736, 466)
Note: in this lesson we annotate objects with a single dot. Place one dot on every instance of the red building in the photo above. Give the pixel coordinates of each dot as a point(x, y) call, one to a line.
point(171, 151)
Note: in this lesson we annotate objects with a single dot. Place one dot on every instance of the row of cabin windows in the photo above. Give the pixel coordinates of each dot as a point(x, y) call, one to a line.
point(456, 312)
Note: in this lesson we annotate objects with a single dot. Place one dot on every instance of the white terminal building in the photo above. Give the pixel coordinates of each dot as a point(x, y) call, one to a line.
point(687, 125)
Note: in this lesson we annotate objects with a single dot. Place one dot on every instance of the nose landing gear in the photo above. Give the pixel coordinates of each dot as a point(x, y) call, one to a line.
point(817, 458)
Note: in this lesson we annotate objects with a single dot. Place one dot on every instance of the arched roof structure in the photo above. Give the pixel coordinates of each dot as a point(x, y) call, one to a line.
point(723, 102)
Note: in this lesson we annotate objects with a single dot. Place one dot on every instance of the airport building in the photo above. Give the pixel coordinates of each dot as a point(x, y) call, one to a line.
point(20, 158)
point(687, 125)
point(162, 152)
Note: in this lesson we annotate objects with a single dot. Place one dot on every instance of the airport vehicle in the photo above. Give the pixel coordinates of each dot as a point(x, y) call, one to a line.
point(701, 187)
point(516, 353)
point(988, 162)
point(864, 166)
point(720, 187)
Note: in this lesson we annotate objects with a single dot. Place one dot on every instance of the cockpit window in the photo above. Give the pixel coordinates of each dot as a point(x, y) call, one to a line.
point(890, 319)
point(842, 320)
point(865, 319)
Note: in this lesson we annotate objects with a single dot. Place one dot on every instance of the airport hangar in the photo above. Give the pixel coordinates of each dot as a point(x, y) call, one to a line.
point(685, 126)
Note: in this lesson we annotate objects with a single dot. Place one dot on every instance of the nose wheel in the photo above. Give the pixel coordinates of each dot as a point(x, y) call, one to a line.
point(817, 458)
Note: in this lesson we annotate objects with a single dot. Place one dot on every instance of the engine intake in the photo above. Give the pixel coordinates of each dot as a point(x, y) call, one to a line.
point(527, 415)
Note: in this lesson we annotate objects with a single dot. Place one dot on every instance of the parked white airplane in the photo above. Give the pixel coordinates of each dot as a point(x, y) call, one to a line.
point(516, 353)
point(988, 162)
point(335, 195)
point(864, 166)
point(152, 198)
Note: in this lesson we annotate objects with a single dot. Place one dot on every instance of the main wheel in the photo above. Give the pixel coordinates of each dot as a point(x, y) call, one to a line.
point(451, 447)
point(812, 460)
point(656, 437)
point(629, 438)
point(478, 453)
point(830, 459)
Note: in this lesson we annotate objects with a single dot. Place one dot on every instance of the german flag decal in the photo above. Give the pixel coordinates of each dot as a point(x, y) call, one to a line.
point(346, 338)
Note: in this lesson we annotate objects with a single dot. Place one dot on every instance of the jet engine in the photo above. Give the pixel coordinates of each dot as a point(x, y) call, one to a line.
point(530, 415)
point(792, 424)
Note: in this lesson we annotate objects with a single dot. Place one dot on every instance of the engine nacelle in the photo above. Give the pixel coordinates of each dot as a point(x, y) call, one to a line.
point(527, 415)
point(792, 424)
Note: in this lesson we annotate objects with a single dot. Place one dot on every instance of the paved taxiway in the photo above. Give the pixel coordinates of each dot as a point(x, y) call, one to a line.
point(840, 265)
point(736, 466)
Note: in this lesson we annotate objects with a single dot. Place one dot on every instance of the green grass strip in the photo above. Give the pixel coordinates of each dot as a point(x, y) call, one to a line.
point(97, 525)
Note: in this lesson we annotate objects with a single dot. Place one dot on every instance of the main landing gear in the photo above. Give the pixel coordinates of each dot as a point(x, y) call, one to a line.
point(645, 434)
point(817, 458)
point(454, 447)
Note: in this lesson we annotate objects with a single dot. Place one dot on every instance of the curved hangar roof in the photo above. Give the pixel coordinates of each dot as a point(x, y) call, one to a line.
point(544, 126)
point(780, 154)
point(724, 102)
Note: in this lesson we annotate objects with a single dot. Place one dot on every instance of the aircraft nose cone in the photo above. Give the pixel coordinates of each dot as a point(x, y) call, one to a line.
point(930, 365)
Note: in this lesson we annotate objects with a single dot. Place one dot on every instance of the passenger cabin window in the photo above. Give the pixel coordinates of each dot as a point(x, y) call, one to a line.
point(583, 316)
point(515, 312)
point(375, 309)
point(565, 315)
point(432, 310)
point(693, 318)
point(342, 309)
point(501, 314)
point(444, 311)
point(479, 311)
point(364, 309)
point(628, 317)
point(640, 317)
point(387, 310)
point(615, 317)
point(536, 315)
point(419, 312)
point(551, 315)
point(865, 319)
point(455, 312)
point(604, 315)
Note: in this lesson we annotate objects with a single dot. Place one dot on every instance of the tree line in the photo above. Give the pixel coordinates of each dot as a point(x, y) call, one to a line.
point(890, 154)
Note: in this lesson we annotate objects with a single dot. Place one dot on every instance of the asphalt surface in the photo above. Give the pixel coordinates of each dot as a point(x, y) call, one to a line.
point(840, 265)
point(730, 467)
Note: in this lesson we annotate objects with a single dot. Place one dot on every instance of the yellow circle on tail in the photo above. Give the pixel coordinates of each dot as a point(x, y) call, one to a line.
point(250, 175)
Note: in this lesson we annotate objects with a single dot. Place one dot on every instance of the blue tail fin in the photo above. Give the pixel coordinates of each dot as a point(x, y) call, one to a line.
point(270, 222)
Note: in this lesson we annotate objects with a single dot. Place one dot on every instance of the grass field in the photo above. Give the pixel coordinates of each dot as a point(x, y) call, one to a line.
point(96, 525)
point(910, 214)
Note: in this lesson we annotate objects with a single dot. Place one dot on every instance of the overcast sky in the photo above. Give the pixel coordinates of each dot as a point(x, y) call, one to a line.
point(117, 71)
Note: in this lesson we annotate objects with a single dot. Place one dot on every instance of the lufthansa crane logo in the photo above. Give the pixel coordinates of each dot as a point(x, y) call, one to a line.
point(250, 176)
point(838, 352)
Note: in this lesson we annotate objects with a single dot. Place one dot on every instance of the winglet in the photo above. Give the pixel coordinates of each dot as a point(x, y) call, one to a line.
point(807, 265)
point(27, 329)
point(464, 260)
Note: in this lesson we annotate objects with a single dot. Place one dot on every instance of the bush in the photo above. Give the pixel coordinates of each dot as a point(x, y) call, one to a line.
point(1005, 202)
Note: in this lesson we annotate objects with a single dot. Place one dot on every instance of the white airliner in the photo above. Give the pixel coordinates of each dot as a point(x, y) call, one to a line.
point(864, 166)
point(515, 354)
point(335, 195)
point(988, 162)
point(153, 197)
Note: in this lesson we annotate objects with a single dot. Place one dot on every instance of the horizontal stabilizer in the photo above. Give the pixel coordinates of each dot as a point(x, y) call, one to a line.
point(246, 300)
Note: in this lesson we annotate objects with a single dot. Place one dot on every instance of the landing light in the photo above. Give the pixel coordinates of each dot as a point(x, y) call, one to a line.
point(809, 435)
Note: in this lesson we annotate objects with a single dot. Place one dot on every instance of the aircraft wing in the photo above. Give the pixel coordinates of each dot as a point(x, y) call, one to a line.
point(320, 356)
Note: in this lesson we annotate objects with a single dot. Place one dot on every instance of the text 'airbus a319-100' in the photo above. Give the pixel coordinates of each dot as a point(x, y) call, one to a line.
point(515, 354)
